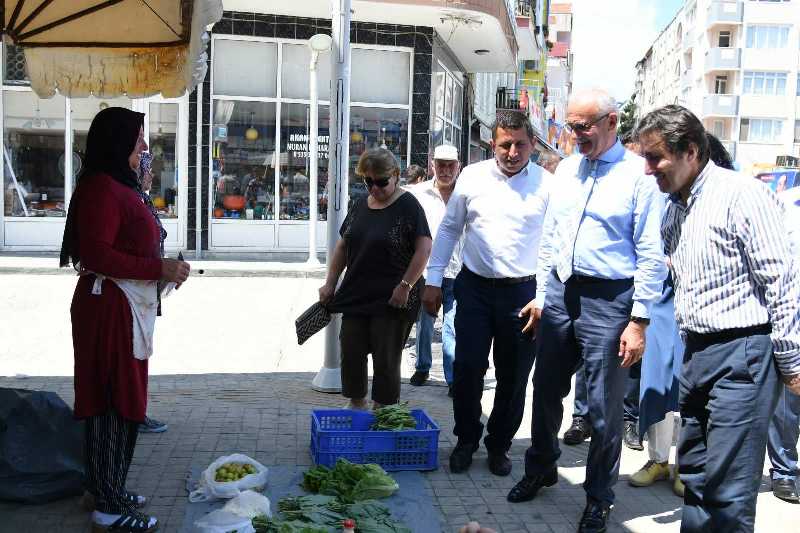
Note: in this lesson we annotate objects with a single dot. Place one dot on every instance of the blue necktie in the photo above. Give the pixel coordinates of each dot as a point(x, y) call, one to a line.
point(567, 256)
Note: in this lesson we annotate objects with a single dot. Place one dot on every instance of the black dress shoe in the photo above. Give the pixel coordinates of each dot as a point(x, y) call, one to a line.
point(528, 486)
point(786, 490)
point(594, 518)
point(579, 431)
point(419, 378)
point(630, 436)
point(461, 458)
point(499, 464)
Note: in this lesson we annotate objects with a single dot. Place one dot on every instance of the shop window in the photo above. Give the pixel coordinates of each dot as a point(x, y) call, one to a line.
point(379, 76)
point(295, 75)
point(376, 128)
point(163, 129)
point(33, 155)
point(258, 60)
point(295, 162)
point(244, 160)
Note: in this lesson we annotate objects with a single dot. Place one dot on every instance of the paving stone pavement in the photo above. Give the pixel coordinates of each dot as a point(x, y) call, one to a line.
point(213, 408)
point(267, 416)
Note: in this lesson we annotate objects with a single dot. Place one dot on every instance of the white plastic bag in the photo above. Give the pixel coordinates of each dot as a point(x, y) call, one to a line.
point(248, 504)
point(211, 489)
point(221, 521)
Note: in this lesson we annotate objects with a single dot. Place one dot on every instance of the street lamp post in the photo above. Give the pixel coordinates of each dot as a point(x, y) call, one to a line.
point(318, 43)
point(329, 378)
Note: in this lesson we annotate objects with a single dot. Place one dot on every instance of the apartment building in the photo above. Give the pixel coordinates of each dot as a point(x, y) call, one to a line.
point(735, 64)
point(559, 74)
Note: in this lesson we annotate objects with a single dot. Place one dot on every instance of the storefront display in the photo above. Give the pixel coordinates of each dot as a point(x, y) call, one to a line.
point(33, 155)
point(260, 149)
point(243, 160)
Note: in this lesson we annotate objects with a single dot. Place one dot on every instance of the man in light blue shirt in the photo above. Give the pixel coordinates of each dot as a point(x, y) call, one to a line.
point(601, 266)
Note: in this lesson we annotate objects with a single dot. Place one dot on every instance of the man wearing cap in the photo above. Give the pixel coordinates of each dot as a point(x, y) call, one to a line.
point(499, 206)
point(433, 195)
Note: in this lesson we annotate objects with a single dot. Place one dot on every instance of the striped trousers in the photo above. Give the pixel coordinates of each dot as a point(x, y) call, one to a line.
point(110, 441)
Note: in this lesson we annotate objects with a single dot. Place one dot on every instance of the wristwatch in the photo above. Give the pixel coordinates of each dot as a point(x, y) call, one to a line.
point(640, 320)
point(405, 283)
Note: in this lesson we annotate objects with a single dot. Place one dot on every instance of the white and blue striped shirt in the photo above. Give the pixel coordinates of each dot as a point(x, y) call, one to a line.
point(731, 261)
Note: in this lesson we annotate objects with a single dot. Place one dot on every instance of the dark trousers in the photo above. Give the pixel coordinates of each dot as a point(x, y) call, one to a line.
point(383, 336)
point(110, 441)
point(728, 391)
point(630, 404)
point(489, 312)
point(784, 430)
point(581, 321)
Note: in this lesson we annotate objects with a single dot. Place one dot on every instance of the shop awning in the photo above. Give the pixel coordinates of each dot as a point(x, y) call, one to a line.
point(109, 48)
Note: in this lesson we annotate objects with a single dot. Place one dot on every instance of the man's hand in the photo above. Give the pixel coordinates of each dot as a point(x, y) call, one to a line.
point(534, 314)
point(432, 299)
point(399, 297)
point(631, 344)
point(792, 383)
point(174, 270)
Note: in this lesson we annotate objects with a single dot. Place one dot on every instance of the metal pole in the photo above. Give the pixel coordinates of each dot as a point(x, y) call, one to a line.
point(313, 146)
point(329, 377)
point(198, 181)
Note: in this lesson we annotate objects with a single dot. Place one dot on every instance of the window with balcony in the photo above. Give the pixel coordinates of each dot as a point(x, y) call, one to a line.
point(721, 85)
point(764, 83)
point(767, 36)
point(724, 39)
point(760, 130)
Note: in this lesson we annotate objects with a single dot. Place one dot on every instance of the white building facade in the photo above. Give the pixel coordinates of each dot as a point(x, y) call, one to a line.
point(735, 64)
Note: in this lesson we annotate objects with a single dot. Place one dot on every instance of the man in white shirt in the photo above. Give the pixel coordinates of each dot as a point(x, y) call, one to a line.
point(433, 195)
point(499, 206)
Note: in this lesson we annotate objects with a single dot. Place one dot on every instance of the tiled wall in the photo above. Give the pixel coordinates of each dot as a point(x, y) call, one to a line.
point(241, 23)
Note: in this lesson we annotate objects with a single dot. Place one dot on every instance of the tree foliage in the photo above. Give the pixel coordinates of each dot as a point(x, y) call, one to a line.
point(627, 121)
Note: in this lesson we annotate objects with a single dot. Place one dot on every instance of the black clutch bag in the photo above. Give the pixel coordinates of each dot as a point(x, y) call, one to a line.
point(311, 321)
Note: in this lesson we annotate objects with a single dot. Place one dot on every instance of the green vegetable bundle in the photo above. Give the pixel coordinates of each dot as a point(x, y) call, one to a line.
point(325, 514)
point(394, 418)
point(350, 482)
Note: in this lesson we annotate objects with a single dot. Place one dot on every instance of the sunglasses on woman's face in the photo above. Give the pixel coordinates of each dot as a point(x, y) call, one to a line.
point(378, 182)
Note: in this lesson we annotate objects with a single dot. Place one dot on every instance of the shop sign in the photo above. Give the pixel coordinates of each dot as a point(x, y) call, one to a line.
point(298, 146)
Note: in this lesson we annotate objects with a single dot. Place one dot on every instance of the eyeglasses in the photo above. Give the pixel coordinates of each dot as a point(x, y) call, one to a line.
point(379, 182)
point(583, 128)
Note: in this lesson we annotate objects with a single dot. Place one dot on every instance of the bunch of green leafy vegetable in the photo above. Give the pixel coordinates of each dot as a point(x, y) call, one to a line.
point(395, 417)
point(325, 514)
point(350, 482)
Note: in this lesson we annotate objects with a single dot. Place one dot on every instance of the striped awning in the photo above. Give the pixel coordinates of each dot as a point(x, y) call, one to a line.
point(110, 48)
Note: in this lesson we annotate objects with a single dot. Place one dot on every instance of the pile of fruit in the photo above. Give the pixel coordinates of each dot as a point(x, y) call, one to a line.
point(233, 471)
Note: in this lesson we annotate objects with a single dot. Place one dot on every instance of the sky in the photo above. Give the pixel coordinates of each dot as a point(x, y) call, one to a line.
point(610, 36)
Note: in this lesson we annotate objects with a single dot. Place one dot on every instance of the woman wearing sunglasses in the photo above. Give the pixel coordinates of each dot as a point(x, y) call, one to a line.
point(384, 247)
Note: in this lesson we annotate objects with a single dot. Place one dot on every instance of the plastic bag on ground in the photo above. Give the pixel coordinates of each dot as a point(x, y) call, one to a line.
point(221, 521)
point(41, 447)
point(211, 489)
point(248, 504)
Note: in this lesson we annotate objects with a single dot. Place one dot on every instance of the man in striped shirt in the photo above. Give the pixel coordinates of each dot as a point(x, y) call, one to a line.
point(736, 303)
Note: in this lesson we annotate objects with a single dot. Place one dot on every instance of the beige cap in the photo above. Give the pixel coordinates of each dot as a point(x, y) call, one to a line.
point(446, 152)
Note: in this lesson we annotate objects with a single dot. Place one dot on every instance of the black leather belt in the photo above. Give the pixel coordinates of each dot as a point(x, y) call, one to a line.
point(499, 281)
point(727, 335)
point(585, 280)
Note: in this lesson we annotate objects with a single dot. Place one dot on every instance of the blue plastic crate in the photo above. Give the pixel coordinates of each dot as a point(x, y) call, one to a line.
point(344, 433)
